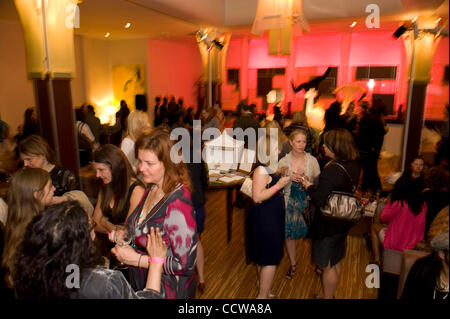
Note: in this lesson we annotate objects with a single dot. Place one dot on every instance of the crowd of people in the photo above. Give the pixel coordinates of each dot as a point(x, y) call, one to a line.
point(149, 212)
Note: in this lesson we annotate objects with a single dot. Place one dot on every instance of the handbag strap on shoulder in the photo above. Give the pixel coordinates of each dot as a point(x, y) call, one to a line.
point(348, 175)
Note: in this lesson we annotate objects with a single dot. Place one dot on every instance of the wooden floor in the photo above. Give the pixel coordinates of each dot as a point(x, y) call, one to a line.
point(227, 276)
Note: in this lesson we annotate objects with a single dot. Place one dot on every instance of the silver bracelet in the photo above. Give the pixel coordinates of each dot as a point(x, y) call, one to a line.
point(139, 261)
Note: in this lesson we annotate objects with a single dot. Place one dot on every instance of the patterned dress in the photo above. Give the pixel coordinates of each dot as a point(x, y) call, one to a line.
point(175, 216)
point(295, 226)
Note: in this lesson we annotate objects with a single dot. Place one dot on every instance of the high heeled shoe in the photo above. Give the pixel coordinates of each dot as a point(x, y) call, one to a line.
point(291, 272)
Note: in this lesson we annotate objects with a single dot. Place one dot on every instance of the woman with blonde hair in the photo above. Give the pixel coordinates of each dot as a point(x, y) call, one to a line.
point(30, 191)
point(297, 163)
point(266, 217)
point(138, 123)
point(35, 152)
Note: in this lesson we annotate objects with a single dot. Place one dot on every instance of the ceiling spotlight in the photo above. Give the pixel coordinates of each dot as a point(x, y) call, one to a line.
point(127, 25)
point(218, 44)
point(107, 35)
point(202, 34)
point(401, 29)
point(353, 24)
point(371, 84)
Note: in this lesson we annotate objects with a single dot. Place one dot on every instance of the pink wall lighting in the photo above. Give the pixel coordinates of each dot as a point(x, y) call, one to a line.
point(318, 50)
point(259, 57)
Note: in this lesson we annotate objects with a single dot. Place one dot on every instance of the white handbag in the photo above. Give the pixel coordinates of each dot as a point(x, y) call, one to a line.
point(246, 187)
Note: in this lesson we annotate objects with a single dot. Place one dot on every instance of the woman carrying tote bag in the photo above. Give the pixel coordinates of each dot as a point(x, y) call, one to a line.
point(329, 235)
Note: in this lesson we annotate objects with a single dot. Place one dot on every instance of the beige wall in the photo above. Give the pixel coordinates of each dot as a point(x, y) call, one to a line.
point(16, 90)
point(98, 58)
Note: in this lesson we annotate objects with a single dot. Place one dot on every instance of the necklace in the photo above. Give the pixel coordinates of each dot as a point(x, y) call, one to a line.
point(148, 207)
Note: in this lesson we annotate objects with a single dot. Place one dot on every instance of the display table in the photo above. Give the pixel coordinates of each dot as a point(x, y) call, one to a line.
point(230, 187)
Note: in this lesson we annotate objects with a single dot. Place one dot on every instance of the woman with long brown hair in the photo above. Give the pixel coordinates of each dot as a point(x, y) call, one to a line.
point(30, 191)
point(120, 191)
point(167, 205)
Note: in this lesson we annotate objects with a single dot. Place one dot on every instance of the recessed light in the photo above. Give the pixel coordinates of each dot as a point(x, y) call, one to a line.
point(437, 21)
point(371, 83)
point(107, 34)
point(353, 24)
point(127, 25)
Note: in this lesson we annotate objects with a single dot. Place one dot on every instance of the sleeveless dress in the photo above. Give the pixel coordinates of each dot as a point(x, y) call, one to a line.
point(295, 223)
point(266, 228)
point(116, 220)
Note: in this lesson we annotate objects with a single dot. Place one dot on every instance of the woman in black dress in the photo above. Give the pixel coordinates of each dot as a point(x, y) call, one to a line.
point(267, 214)
point(341, 173)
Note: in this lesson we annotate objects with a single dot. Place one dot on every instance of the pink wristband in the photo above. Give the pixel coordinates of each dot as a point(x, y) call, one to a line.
point(156, 260)
point(274, 189)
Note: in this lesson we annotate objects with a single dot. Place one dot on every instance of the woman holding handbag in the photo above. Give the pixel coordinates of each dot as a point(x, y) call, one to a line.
point(341, 173)
point(298, 163)
point(266, 217)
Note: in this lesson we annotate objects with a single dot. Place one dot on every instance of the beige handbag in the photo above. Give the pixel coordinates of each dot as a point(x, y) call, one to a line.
point(246, 187)
point(344, 206)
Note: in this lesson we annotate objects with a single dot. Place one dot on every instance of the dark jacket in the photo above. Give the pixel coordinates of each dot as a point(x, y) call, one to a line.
point(244, 122)
point(63, 179)
point(332, 178)
point(199, 181)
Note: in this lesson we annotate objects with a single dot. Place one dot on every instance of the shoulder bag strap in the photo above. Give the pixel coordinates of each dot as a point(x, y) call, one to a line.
point(349, 177)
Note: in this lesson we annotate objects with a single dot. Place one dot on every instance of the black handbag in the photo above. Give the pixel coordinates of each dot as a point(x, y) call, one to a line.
point(344, 206)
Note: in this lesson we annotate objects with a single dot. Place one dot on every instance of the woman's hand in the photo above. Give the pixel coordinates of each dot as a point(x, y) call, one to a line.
point(283, 181)
point(297, 177)
point(126, 254)
point(156, 247)
point(305, 182)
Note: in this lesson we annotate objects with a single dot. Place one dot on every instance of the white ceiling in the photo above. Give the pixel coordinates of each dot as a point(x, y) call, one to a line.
point(177, 18)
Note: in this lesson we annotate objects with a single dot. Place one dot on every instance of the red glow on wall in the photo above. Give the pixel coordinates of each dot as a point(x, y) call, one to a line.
point(313, 53)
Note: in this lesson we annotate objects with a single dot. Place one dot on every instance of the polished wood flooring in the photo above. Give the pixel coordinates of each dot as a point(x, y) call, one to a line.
point(227, 276)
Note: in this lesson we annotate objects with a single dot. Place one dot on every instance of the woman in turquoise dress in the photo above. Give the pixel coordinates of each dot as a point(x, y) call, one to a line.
point(298, 164)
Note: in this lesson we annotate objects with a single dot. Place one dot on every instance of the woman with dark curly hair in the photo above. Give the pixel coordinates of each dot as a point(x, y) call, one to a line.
point(57, 259)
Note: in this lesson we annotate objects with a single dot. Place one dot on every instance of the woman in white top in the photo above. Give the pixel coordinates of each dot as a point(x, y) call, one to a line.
point(297, 164)
point(138, 123)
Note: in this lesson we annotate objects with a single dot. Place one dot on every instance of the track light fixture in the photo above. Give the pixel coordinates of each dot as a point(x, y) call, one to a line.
point(204, 36)
point(412, 26)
